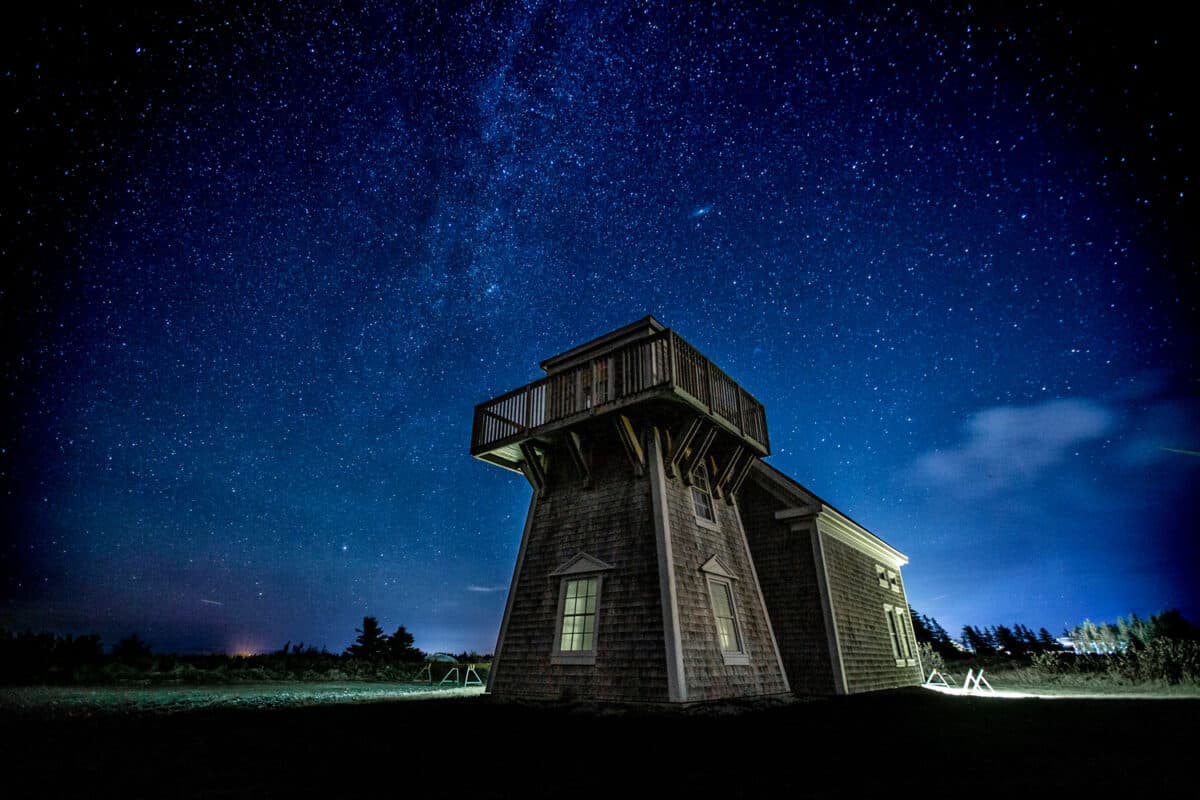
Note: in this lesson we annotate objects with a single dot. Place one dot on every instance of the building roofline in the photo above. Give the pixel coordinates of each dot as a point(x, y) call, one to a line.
point(612, 338)
point(850, 531)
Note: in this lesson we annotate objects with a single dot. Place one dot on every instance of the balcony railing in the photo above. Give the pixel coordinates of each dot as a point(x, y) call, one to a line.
point(659, 364)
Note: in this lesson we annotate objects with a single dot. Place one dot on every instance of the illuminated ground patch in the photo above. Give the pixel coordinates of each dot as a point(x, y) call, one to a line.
point(86, 701)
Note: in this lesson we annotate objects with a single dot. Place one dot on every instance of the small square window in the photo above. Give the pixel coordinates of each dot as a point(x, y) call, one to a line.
point(881, 575)
point(893, 581)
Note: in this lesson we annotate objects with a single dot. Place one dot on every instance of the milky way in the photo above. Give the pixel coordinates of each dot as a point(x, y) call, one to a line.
point(260, 262)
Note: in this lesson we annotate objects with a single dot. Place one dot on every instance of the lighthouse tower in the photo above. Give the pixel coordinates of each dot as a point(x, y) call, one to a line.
point(634, 579)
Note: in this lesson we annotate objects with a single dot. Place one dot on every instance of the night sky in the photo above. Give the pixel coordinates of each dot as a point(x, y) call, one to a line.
point(260, 262)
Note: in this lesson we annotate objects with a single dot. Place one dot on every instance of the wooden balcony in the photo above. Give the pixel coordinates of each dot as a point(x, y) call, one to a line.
point(658, 365)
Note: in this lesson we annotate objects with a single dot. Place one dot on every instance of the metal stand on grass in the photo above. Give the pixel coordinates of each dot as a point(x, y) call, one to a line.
point(469, 678)
point(936, 679)
point(975, 683)
point(425, 672)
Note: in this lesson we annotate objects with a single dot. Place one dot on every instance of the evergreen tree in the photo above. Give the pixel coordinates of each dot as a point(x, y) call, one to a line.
point(927, 630)
point(920, 626)
point(1046, 642)
point(976, 641)
point(133, 652)
point(371, 642)
point(1006, 640)
point(401, 646)
point(1027, 638)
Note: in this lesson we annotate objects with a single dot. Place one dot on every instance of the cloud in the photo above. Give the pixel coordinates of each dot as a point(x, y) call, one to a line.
point(1007, 446)
point(474, 588)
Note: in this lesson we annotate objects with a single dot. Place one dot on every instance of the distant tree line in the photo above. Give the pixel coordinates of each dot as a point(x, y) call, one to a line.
point(1162, 648)
point(1018, 640)
point(47, 658)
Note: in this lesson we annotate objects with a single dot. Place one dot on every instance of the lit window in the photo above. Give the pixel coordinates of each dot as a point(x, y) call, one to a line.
point(576, 628)
point(730, 638)
point(702, 503)
point(720, 593)
point(579, 616)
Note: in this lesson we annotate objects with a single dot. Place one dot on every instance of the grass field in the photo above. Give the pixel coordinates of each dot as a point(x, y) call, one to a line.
point(886, 744)
point(85, 701)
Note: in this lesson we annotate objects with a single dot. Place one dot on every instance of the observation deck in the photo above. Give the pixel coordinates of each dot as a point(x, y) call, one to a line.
point(641, 363)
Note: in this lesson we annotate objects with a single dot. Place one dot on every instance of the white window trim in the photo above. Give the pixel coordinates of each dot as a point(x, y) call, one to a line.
point(712, 524)
point(899, 626)
point(716, 572)
point(893, 581)
point(881, 574)
point(581, 566)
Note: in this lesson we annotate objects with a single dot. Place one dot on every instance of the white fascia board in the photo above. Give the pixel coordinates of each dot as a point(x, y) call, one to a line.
point(839, 527)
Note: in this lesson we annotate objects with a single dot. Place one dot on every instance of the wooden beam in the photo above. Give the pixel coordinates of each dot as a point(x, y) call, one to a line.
point(532, 467)
point(680, 448)
point(575, 448)
point(740, 476)
point(632, 443)
point(698, 454)
point(727, 471)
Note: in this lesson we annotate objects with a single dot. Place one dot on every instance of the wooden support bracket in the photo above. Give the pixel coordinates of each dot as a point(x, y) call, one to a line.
point(575, 447)
point(632, 443)
point(726, 472)
point(739, 476)
point(680, 448)
point(698, 454)
point(532, 467)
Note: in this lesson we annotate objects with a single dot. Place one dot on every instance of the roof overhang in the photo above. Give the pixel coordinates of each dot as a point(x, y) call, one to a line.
point(803, 506)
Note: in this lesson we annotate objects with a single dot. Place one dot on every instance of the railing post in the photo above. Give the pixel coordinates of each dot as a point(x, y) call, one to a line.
point(741, 422)
point(528, 407)
point(671, 357)
point(708, 386)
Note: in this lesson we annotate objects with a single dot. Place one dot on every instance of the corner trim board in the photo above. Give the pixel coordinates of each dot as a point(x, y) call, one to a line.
point(831, 631)
point(762, 604)
point(676, 679)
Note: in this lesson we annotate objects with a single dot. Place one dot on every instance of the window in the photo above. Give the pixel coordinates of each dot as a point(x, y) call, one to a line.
point(727, 629)
point(579, 616)
point(702, 503)
point(888, 579)
point(897, 624)
point(720, 594)
point(577, 627)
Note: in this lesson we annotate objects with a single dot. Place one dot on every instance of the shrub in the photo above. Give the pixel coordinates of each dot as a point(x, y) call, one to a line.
point(931, 659)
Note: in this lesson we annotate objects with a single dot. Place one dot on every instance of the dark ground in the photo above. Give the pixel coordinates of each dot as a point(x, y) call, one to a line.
point(888, 744)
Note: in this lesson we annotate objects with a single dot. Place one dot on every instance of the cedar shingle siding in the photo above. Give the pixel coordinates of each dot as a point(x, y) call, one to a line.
point(707, 676)
point(788, 575)
point(610, 521)
point(858, 602)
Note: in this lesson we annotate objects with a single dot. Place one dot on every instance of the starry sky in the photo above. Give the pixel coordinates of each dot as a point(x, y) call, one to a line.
point(260, 261)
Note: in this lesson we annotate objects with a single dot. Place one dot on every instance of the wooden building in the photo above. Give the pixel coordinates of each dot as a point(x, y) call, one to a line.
point(662, 560)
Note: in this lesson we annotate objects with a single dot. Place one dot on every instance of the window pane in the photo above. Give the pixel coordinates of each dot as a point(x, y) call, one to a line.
point(720, 595)
point(579, 615)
